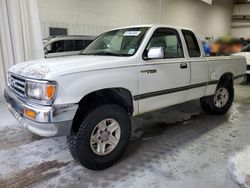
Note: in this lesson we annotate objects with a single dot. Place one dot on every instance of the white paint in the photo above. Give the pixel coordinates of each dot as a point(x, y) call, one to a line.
point(247, 56)
point(156, 53)
point(200, 74)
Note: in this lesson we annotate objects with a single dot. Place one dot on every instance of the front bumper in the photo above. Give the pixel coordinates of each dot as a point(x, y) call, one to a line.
point(49, 121)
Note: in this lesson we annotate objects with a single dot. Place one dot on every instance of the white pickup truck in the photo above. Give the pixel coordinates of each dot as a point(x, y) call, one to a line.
point(123, 73)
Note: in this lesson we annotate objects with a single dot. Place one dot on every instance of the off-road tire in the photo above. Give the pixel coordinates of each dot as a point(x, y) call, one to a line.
point(208, 104)
point(79, 142)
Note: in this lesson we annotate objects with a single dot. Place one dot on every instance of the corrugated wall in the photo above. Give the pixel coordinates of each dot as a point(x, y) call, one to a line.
point(241, 27)
point(96, 16)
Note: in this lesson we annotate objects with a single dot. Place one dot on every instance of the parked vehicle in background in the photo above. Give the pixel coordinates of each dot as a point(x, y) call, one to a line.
point(123, 73)
point(246, 53)
point(65, 45)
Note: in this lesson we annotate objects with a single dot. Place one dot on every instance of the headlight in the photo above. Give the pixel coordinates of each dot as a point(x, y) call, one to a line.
point(44, 90)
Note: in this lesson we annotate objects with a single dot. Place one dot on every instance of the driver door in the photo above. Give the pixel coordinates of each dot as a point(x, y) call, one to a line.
point(163, 82)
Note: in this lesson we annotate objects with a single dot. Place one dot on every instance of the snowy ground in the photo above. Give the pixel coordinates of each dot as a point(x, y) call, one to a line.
point(179, 146)
point(239, 167)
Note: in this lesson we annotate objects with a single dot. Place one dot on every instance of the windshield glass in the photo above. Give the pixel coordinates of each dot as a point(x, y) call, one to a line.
point(122, 42)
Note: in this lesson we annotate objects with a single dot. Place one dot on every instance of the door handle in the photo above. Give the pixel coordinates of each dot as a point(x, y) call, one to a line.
point(183, 65)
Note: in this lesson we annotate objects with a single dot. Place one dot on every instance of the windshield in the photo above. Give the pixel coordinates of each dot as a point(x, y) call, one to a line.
point(122, 42)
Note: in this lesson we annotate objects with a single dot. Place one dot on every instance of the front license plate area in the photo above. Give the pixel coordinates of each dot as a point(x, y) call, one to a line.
point(14, 104)
point(18, 117)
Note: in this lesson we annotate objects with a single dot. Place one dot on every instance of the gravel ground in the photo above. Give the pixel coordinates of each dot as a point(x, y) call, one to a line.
point(179, 146)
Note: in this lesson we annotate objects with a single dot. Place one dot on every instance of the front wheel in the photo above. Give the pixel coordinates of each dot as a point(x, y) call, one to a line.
point(221, 101)
point(102, 137)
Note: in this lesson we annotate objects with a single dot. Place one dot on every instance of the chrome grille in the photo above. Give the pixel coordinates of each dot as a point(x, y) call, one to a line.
point(17, 84)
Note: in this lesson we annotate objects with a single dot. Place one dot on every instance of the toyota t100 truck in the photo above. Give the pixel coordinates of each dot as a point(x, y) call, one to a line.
point(123, 73)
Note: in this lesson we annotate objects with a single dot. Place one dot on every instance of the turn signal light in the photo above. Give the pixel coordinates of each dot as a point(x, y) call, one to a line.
point(50, 91)
point(30, 113)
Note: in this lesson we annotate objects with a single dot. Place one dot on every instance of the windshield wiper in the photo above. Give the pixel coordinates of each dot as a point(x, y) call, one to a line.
point(104, 53)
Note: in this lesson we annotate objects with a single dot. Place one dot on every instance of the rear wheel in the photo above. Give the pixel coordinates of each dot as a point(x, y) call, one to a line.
point(102, 137)
point(221, 101)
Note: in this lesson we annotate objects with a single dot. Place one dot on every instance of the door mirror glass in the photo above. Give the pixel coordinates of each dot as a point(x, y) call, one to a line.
point(156, 53)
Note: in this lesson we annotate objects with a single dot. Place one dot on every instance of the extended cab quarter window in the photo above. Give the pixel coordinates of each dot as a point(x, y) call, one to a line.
point(169, 40)
point(192, 43)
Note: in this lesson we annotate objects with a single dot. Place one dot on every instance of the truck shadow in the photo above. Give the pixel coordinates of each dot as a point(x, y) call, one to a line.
point(168, 134)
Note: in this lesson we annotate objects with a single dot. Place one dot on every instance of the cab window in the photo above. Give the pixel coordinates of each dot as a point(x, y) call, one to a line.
point(169, 40)
point(192, 43)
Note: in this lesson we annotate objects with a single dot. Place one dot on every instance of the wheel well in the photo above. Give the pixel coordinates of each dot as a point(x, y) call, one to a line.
point(119, 96)
point(227, 77)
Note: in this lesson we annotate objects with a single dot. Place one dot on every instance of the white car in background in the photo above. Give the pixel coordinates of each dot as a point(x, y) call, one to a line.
point(65, 45)
point(246, 53)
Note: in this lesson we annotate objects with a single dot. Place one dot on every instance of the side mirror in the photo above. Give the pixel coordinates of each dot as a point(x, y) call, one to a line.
point(156, 53)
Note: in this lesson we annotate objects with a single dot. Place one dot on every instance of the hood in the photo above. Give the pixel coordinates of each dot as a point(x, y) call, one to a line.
point(43, 68)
